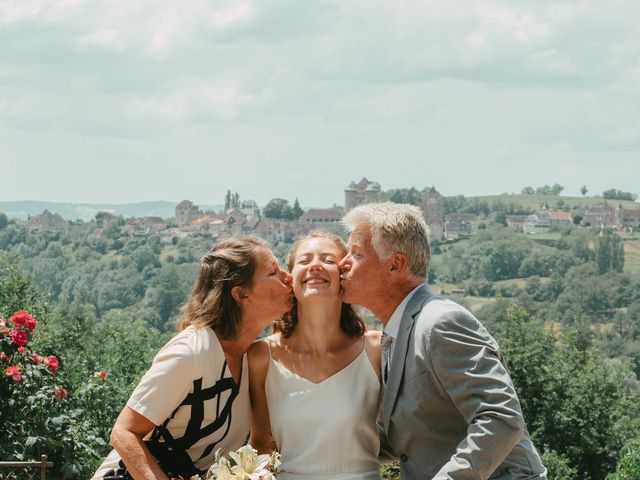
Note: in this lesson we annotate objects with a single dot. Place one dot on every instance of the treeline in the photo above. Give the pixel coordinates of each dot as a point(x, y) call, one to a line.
point(578, 279)
point(137, 275)
point(567, 318)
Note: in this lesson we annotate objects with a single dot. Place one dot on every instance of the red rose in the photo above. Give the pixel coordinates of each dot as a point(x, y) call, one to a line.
point(102, 374)
point(21, 318)
point(18, 337)
point(13, 372)
point(60, 393)
point(51, 362)
point(36, 357)
point(31, 323)
point(20, 349)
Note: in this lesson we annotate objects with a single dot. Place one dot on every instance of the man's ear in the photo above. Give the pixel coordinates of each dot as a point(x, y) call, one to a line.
point(239, 294)
point(398, 262)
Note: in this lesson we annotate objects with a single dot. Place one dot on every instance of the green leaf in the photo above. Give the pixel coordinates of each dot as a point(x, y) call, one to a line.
point(30, 441)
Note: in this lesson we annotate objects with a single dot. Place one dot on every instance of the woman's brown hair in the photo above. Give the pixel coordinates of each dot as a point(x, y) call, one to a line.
point(350, 323)
point(229, 264)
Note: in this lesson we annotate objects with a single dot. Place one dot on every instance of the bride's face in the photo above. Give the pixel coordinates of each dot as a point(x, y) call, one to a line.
point(315, 271)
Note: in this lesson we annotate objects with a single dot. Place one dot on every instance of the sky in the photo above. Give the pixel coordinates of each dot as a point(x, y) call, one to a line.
point(111, 101)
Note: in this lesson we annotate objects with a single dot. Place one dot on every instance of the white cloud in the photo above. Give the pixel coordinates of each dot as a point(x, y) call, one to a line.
point(277, 90)
point(108, 38)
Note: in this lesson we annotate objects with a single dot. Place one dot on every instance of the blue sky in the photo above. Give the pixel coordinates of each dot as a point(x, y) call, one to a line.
point(115, 102)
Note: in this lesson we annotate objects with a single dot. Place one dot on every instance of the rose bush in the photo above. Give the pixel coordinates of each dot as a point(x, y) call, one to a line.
point(40, 415)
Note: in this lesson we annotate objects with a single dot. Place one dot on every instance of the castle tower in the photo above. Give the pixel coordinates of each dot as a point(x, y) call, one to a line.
point(185, 211)
point(360, 193)
point(433, 207)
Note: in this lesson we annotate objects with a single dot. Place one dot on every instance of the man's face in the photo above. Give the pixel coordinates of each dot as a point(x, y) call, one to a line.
point(363, 274)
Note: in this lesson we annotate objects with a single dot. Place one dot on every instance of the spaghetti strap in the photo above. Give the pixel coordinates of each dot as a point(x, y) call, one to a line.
point(269, 347)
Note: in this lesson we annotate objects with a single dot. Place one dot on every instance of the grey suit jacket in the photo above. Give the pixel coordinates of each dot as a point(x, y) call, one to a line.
point(449, 409)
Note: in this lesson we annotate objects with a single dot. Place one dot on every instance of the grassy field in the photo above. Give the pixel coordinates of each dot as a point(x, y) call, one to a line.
point(535, 201)
point(632, 254)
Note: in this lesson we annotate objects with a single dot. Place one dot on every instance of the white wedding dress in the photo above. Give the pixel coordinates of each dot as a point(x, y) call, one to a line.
point(325, 430)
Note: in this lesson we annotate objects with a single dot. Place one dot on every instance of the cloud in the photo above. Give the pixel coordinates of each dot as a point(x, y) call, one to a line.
point(355, 86)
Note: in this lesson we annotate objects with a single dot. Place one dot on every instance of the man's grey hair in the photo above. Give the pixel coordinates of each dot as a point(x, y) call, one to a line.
point(395, 227)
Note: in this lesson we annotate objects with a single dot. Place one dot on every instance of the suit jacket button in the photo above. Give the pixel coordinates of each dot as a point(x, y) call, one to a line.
point(403, 458)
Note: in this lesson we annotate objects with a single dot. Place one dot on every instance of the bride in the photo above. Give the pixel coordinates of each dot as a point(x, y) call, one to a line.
point(315, 383)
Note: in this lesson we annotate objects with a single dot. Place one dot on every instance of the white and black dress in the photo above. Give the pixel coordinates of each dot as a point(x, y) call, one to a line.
point(190, 395)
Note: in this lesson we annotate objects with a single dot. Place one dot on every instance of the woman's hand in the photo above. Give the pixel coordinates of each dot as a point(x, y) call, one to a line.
point(126, 437)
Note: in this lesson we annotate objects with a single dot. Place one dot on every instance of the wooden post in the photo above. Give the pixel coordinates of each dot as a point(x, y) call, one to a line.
point(43, 467)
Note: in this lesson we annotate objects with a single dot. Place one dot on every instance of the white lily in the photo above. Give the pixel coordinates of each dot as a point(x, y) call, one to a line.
point(221, 470)
point(249, 465)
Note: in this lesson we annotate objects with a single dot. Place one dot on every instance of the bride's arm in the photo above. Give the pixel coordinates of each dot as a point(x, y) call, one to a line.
point(260, 437)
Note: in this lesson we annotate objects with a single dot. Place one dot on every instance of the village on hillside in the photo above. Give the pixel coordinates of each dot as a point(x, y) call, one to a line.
point(246, 217)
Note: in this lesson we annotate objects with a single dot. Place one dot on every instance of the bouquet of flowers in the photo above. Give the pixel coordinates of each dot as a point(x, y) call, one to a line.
point(245, 464)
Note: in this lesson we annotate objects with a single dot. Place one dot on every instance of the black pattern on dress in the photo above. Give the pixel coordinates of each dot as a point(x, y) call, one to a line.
point(171, 452)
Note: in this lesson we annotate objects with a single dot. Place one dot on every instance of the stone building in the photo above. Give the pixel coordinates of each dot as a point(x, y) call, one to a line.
point(48, 221)
point(560, 219)
point(539, 222)
point(322, 216)
point(250, 210)
point(203, 223)
point(360, 193)
point(145, 225)
point(185, 211)
point(516, 222)
point(460, 225)
point(598, 216)
point(275, 231)
point(432, 206)
point(628, 219)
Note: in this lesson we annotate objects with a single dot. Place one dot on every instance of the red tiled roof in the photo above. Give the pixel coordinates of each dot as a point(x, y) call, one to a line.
point(322, 213)
point(555, 215)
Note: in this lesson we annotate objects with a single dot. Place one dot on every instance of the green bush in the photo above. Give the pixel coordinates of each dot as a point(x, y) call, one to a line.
point(628, 463)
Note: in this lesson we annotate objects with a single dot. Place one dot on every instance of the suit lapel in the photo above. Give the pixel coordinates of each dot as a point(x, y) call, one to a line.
point(400, 352)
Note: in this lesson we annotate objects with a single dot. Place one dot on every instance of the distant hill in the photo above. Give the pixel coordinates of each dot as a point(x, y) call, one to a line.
point(86, 211)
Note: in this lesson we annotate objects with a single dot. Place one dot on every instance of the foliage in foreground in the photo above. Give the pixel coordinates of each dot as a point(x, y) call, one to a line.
point(65, 377)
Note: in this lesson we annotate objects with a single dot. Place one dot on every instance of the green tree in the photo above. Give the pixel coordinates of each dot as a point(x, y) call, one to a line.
point(628, 467)
point(278, 208)
point(227, 200)
point(167, 291)
point(556, 189)
point(558, 466)
point(528, 191)
point(501, 218)
point(231, 200)
point(610, 253)
point(296, 211)
point(4, 221)
point(574, 401)
point(613, 194)
point(583, 190)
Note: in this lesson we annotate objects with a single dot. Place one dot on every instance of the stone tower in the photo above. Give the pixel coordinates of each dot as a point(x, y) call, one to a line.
point(185, 211)
point(360, 193)
point(433, 207)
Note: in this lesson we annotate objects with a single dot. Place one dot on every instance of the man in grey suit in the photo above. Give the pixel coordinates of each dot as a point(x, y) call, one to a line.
point(449, 407)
